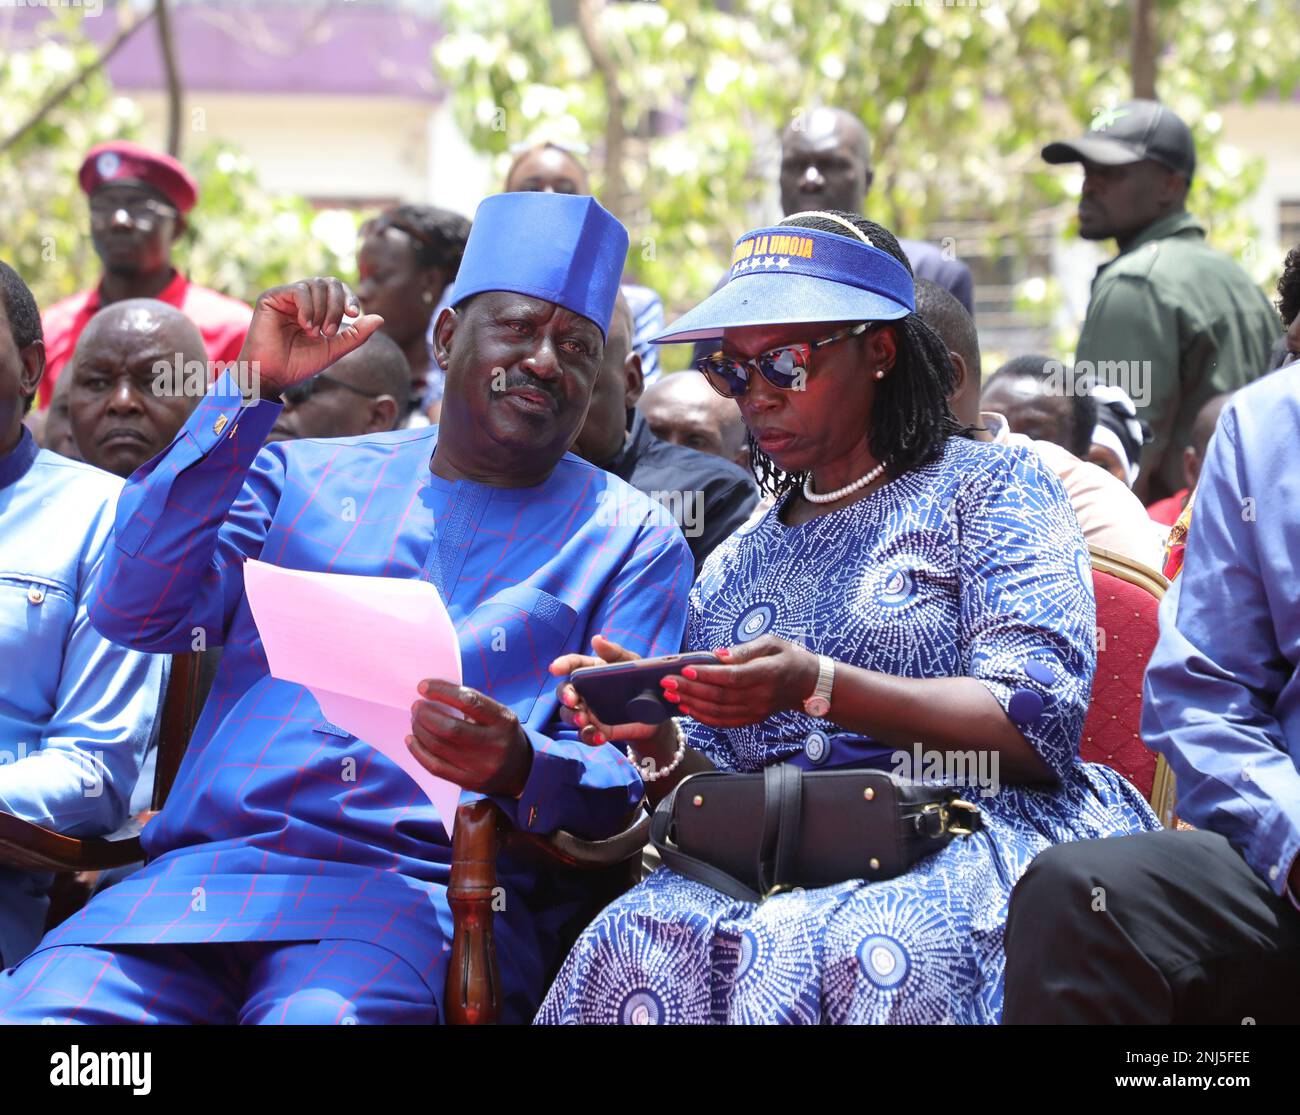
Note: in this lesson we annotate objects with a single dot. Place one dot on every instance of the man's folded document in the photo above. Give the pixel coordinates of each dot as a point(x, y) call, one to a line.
point(360, 645)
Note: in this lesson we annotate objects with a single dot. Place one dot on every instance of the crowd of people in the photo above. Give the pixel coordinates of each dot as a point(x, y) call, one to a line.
point(883, 547)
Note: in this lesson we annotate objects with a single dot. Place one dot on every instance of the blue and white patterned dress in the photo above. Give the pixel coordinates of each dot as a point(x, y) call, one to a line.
point(972, 565)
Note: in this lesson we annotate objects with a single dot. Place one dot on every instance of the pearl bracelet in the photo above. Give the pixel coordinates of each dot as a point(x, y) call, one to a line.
point(647, 773)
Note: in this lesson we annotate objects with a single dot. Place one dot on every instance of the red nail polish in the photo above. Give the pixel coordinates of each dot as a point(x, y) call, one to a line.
point(722, 652)
point(684, 709)
point(580, 720)
point(598, 738)
point(672, 695)
point(689, 673)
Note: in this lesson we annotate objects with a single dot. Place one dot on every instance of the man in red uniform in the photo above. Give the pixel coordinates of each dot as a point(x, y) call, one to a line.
point(138, 202)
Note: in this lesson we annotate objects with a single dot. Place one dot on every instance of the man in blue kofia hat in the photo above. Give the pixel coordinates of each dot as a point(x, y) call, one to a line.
point(295, 874)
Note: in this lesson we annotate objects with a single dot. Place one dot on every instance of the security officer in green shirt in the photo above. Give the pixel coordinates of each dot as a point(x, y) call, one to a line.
point(1172, 321)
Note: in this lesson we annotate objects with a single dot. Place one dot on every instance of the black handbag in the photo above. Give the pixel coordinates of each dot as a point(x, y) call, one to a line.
point(754, 835)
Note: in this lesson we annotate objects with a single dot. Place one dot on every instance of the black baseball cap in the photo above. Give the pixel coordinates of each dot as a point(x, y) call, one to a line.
point(1129, 133)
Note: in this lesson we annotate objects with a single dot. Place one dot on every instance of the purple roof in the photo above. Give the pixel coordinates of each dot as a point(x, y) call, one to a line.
point(340, 48)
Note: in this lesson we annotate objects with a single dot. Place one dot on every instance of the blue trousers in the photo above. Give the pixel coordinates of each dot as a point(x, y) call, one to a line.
point(334, 982)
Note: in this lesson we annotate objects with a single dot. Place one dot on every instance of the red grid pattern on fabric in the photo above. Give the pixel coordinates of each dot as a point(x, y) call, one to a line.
point(1127, 629)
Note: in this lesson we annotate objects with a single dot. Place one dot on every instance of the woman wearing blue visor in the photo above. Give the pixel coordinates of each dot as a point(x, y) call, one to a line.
point(915, 601)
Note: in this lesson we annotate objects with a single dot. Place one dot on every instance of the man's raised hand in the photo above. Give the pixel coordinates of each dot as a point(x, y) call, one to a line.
point(295, 331)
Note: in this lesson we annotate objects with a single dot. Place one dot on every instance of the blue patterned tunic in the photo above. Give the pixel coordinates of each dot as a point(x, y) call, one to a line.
point(972, 565)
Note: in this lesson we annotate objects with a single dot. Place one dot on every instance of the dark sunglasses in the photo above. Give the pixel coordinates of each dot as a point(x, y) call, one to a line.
point(299, 393)
point(784, 368)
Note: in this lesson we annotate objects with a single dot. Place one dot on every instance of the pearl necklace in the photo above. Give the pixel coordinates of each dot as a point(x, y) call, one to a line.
point(839, 493)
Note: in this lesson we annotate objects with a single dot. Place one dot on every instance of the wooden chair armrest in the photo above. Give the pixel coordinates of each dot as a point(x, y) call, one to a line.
point(26, 845)
point(473, 990)
point(575, 851)
point(180, 711)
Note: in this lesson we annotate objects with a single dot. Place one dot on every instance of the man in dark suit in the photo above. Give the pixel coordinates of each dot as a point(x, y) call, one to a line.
point(709, 496)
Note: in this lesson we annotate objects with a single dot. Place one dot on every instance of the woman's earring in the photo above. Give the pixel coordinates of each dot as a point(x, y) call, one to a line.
point(880, 373)
point(428, 298)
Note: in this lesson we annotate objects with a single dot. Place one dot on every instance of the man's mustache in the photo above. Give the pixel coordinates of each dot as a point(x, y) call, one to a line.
point(517, 380)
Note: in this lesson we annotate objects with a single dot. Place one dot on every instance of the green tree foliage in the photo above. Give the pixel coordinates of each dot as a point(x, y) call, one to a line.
point(958, 97)
point(240, 239)
point(42, 211)
point(243, 240)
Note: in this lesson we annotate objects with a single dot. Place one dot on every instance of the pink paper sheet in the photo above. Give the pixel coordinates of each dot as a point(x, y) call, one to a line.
point(360, 645)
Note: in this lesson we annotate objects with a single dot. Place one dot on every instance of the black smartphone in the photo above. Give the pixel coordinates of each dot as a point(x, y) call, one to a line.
point(629, 692)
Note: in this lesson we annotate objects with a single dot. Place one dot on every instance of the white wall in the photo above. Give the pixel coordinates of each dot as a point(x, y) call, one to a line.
point(336, 147)
point(459, 177)
point(1269, 131)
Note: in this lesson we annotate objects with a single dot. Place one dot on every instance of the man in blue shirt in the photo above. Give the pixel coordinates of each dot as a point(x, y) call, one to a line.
point(75, 710)
point(551, 168)
point(1201, 926)
point(296, 874)
point(138, 370)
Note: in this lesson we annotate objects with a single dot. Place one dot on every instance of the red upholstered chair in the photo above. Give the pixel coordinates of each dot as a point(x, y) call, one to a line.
point(1128, 597)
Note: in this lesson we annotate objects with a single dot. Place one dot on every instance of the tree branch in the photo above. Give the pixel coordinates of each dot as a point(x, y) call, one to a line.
point(615, 132)
point(62, 92)
point(1142, 59)
point(167, 47)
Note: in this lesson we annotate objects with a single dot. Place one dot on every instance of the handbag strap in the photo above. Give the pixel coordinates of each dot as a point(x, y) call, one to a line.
point(690, 866)
point(782, 802)
point(778, 843)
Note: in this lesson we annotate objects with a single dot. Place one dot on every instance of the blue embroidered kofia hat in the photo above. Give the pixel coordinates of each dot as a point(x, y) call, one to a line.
point(787, 275)
point(562, 248)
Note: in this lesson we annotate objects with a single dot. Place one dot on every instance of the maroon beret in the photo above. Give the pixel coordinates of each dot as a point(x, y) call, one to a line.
point(122, 161)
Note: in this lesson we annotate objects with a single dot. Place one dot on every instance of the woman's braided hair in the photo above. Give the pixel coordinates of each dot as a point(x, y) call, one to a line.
point(1288, 287)
point(910, 418)
point(438, 236)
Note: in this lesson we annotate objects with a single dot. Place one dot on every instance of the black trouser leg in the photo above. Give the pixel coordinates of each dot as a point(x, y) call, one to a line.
point(1164, 927)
